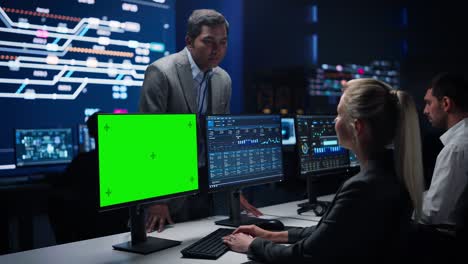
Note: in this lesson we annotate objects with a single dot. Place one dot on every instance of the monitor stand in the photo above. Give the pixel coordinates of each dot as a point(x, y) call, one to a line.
point(141, 243)
point(319, 207)
point(235, 218)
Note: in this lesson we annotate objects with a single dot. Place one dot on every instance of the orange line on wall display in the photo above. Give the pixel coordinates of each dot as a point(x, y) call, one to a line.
point(7, 57)
point(34, 13)
point(102, 52)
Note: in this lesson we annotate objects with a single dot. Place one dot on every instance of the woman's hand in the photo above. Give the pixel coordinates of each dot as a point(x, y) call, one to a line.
point(239, 242)
point(253, 231)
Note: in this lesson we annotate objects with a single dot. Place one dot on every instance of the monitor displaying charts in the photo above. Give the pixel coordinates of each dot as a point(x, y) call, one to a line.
point(243, 150)
point(43, 146)
point(318, 145)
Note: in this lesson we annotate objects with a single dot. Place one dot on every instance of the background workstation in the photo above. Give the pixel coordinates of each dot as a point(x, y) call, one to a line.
point(281, 59)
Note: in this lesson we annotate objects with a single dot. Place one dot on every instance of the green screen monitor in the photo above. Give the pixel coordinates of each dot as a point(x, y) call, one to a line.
point(144, 158)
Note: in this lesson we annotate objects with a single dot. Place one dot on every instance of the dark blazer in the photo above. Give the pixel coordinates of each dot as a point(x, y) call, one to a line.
point(368, 219)
point(168, 87)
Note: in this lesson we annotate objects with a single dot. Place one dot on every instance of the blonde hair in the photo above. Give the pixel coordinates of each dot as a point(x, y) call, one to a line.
point(392, 118)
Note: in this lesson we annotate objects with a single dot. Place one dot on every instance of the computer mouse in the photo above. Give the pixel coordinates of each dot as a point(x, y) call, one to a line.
point(319, 210)
point(271, 225)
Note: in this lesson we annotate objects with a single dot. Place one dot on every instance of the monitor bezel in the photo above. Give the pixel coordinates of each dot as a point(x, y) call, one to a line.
point(78, 143)
point(239, 186)
point(294, 127)
point(146, 200)
point(41, 164)
point(321, 172)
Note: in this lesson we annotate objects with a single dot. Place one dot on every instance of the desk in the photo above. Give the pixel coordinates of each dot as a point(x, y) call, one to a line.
point(100, 250)
point(289, 210)
point(22, 203)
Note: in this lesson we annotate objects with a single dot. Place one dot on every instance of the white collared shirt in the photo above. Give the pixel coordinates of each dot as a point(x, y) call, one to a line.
point(449, 178)
point(199, 84)
point(195, 70)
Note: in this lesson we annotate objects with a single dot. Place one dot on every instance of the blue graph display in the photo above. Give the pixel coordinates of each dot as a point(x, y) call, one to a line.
point(318, 145)
point(325, 151)
point(60, 61)
point(243, 149)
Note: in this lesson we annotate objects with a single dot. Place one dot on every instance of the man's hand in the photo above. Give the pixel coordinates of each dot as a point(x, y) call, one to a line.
point(158, 214)
point(248, 207)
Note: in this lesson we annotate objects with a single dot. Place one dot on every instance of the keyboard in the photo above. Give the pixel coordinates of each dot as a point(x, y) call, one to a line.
point(208, 247)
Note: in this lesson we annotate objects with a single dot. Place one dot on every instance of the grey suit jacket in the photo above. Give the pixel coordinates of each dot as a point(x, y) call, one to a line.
point(168, 87)
point(367, 221)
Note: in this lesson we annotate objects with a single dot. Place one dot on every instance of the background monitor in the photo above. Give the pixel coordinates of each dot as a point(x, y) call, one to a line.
point(318, 146)
point(324, 83)
point(288, 132)
point(85, 142)
point(319, 154)
point(144, 158)
point(243, 150)
point(43, 146)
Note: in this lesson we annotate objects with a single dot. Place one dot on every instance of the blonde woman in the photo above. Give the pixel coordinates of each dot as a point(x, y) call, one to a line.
point(371, 213)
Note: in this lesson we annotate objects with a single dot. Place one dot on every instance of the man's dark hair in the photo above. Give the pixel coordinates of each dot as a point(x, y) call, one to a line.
point(452, 85)
point(204, 17)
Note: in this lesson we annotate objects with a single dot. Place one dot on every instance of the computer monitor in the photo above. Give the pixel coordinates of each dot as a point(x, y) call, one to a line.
point(288, 131)
point(319, 154)
point(242, 150)
point(85, 142)
point(43, 146)
point(145, 158)
point(318, 147)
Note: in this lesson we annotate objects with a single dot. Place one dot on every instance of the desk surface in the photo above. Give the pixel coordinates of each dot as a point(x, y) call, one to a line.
point(99, 250)
point(289, 210)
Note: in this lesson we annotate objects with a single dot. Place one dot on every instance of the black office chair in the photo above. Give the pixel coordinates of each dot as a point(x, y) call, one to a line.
point(74, 216)
point(461, 213)
point(448, 242)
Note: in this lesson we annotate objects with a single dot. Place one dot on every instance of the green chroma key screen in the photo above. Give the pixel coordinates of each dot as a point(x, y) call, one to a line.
point(146, 156)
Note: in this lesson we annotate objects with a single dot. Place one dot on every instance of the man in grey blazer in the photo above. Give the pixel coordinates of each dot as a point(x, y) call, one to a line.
point(170, 87)
point(190, 81)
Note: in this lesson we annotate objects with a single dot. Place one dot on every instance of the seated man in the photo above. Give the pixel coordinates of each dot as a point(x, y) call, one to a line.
point(73, 214)
point(447, 109)
point(442, 223)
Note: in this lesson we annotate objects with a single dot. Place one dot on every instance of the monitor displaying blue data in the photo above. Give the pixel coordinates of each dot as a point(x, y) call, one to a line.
point(318, 146)
point(62, 60)
point(288, 132)
point(43, 146)
point(243, 150)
